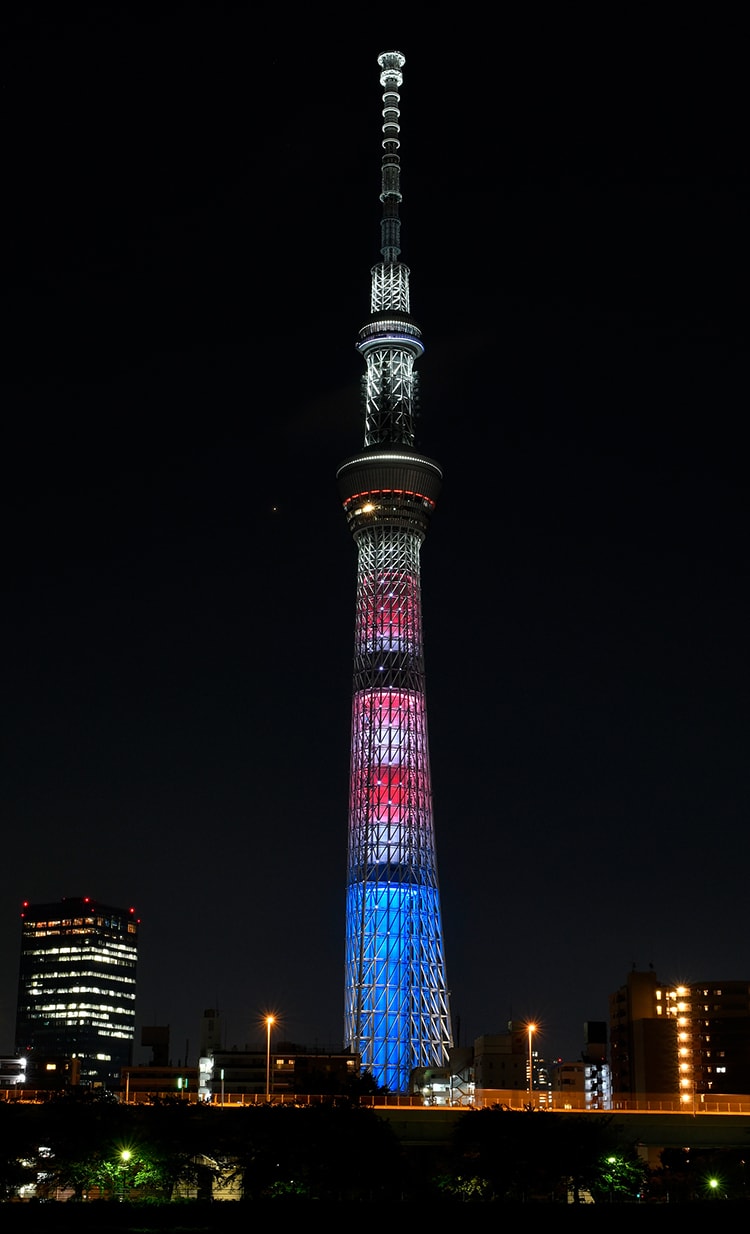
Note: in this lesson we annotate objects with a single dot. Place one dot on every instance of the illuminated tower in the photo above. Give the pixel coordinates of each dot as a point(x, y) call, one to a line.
point(76, 987)
point(396, 999)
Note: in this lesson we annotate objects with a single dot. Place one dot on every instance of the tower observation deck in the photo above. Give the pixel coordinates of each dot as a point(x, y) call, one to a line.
point(396, 1013)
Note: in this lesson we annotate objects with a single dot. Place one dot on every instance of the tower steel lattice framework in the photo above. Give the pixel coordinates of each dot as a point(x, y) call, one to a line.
point(397, 1014)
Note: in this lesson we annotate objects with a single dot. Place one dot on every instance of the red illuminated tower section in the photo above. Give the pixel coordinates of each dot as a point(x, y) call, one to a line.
point(396, 998)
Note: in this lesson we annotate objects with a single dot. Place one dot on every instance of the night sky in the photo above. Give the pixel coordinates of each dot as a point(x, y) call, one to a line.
point(192, 212)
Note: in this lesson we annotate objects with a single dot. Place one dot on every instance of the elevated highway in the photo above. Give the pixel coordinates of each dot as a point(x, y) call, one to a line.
point(649, 1130)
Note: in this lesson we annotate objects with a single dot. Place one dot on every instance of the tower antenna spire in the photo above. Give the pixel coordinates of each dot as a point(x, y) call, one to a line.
point(391, 79)
point(396, 1005)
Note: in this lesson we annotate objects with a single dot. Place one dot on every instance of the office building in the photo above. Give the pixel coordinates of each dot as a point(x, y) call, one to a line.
point(76, 992)
point(713, 1038)
point(229, 1076)
point(643, 1049)
point(687, 1040)
point(585, 1084)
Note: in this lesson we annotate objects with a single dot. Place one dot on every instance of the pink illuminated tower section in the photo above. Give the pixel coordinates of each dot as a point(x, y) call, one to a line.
point(396, 998)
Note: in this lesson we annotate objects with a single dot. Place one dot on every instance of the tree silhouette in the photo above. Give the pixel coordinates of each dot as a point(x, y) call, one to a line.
point(518, 1155)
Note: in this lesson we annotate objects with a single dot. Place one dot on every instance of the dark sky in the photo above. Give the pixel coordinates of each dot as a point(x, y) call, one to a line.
point(192, 213)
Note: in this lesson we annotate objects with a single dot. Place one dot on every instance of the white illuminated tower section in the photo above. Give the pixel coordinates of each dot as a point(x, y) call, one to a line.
point(397, 1013)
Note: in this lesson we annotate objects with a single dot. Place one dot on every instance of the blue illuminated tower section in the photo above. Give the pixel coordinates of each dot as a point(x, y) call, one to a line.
point(397, 1013)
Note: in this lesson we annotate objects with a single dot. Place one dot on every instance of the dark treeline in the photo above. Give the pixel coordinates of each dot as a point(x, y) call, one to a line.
point(106, 1157)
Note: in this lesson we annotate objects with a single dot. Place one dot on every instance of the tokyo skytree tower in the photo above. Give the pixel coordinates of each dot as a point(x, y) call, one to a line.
point(397, 1014)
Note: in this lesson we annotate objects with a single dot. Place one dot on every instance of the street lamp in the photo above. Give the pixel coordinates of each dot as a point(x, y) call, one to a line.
point(270, 1021)
point(125, 1156)
point(531, 1030)
point(611, 1162)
